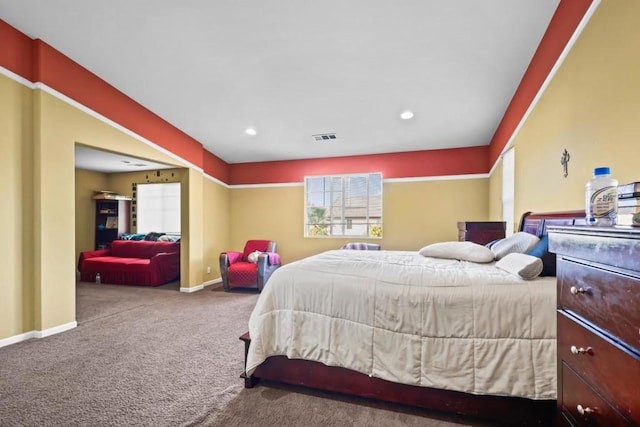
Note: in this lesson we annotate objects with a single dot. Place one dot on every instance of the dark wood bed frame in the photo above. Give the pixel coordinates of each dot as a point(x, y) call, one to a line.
point(499, 409)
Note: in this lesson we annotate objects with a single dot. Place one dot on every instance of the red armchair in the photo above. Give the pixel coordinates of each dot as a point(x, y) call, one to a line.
point(239, 269)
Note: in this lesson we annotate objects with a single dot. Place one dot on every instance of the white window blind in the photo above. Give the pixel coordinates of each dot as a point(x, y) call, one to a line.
point(508, 189)
point(343, 205)
point(158, 207)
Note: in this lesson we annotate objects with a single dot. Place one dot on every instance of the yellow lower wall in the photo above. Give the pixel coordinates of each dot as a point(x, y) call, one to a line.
point(495, 194)
point(16, 215)
point(414, 215)
point(420, 213)
point(215, 217)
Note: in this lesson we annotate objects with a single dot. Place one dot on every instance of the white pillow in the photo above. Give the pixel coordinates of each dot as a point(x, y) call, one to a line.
point(465, 251)
point(253, 256)
point(526, 266)
point(520, 242)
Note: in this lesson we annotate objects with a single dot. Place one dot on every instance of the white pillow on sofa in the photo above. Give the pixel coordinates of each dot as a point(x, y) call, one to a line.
point(526, 266)
point(520, 242)
point(464, 251)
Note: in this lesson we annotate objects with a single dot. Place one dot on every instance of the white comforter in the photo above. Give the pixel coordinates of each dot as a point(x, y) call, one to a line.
point(405, 318)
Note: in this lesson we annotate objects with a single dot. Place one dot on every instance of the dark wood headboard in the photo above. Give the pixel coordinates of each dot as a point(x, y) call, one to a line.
point(536, 222)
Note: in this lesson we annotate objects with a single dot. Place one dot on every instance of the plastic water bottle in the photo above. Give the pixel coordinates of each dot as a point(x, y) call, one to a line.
point(98, 279)
point(601, 200)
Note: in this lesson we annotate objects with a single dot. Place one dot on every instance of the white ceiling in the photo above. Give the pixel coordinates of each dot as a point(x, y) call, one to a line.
point(293, 69)
point(108, 162)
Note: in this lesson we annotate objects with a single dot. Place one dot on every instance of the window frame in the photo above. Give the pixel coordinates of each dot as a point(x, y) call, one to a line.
point(345, 202)
point(179, 207)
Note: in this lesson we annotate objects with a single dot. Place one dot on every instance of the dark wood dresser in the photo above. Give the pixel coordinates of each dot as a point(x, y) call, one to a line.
point(481, 232)
point(598, 314)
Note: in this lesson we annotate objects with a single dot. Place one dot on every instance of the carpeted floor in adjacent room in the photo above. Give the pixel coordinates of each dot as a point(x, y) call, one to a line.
point(157, 357)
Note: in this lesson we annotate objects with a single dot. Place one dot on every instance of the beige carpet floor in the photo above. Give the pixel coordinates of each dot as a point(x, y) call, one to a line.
point(156, 357)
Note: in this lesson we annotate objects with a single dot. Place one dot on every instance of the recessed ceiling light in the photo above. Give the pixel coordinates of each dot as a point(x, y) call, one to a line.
point(406, 115)
point(251, 131)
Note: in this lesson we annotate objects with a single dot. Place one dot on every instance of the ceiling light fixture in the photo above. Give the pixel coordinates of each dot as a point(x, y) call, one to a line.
point(406, 115)
point(251, 131)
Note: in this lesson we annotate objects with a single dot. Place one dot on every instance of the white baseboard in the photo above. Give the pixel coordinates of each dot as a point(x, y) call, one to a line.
point(201, 287)
point(213, 282)
point(56, 329)
point(194, 289)
point(37, 334)
point(17, 338)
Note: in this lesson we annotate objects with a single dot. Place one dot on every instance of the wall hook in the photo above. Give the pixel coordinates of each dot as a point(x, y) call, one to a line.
point(564, 161)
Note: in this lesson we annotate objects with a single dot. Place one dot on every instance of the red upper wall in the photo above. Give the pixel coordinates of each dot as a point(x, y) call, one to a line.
point(459, 161)
point(16, 51)
point(36, 61)
point(216, 167)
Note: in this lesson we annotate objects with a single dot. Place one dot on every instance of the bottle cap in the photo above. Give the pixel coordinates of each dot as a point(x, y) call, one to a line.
point(602, 171)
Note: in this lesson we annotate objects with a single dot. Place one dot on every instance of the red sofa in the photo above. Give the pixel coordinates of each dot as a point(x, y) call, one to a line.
point(131, 262)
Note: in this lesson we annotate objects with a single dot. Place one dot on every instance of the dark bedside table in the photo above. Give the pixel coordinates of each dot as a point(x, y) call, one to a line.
point(481, 232)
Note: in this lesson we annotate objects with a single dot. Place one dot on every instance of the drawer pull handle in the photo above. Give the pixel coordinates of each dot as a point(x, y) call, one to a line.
point(575, 290)
point(580, 350)
point(584, 410)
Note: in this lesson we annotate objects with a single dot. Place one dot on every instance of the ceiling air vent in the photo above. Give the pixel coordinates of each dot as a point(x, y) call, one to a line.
point(324, 136)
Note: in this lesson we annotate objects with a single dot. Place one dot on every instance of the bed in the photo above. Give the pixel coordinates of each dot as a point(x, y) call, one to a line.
point(457, 336)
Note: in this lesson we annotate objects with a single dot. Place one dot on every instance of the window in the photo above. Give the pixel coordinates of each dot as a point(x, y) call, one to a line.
point(158, 207)
point(343, 205)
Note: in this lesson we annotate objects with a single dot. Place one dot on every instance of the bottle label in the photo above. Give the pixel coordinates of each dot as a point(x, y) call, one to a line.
point(604, 202)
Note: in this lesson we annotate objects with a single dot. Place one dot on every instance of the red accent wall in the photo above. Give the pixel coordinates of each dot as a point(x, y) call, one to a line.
point(16, 51)
point(216, 167)
point(563, 24)
point(459, 161)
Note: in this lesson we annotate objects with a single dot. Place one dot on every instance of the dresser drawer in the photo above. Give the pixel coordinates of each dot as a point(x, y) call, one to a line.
point(612, 246)
point(605, 298)
point(578, 397)
point(602, 363)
